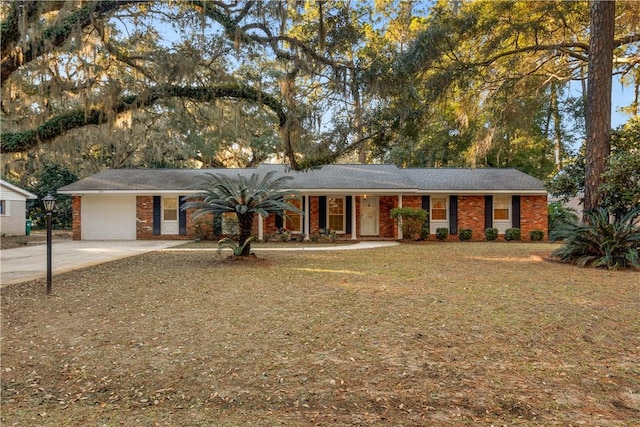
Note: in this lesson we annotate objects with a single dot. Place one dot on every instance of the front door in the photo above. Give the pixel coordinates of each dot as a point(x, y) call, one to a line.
point(369, 216)
point(170, 215)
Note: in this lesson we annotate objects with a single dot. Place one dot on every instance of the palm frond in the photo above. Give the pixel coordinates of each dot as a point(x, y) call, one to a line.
point(601, 242)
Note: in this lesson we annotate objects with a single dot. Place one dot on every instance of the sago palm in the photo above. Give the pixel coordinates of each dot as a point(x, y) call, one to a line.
point(601, 242)
point(244, 196)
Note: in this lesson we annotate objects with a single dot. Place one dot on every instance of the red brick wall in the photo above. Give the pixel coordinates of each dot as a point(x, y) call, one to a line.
point(471, 215)
point(388, 227)
point(533, 215)
point(144, 218)
point(314, 214)
point(412, 202)
point(76, 222)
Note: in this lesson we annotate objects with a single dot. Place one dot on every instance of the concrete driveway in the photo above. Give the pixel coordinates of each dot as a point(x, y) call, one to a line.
point(30, 262)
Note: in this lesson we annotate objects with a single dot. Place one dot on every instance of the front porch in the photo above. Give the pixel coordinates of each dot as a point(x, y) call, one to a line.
point(354, 217)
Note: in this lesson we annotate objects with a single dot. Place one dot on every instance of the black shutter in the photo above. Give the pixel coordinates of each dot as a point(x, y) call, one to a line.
point(279, 219)
point(322, 212)
point(453, 214)
point(182, 216)
point(426, 205)
point(488, 212)
point(303, 219)
point(347, 208)
point(515, 211)
point(157, 215)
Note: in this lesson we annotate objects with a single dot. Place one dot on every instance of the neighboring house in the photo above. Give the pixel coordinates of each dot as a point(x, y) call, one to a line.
point(355, 201)
point(13, 209)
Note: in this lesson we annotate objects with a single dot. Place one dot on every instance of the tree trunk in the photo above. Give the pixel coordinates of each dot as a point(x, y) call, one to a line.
point(557, 127)
point(245, 222)
point(598, 146)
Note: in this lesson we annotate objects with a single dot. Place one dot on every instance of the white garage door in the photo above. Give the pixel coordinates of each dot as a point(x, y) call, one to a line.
point(108, 218)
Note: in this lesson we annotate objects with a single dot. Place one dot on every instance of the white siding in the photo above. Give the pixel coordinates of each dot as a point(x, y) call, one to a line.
point(13, 219)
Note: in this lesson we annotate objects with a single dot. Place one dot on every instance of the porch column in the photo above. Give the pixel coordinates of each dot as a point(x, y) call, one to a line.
point(399, 218)
point(260, 227)
point(353, 218)
point(307, 228)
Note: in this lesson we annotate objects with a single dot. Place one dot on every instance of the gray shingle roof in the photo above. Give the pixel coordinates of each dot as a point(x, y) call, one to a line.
point(473, 179)
point(329, 177)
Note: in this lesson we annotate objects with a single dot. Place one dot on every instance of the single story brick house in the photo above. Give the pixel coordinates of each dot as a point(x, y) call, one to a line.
point(354, 200)
point(13, 209)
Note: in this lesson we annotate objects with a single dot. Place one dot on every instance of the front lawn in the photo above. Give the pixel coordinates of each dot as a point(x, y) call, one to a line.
point(443, 334)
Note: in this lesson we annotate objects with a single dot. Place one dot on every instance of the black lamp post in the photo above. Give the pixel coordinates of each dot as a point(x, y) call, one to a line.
point(49, 203)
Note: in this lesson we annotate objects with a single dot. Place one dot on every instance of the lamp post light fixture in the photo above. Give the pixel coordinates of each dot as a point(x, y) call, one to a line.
point(49, 203)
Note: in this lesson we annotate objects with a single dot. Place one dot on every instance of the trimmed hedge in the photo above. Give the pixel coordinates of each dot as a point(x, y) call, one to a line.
point(465, 234)
point(442, 233)
point(491, 234)
point(512, 234)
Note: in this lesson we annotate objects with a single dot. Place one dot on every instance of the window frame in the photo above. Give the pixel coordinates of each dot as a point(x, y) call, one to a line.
point(507, 202)
point(343, 214)
point(445, 209)
point(288, 215)
point(4, 207)
point(165, 209)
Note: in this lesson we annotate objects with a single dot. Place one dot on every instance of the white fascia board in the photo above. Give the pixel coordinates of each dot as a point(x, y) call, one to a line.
point(317, 192)
point(373, 192)
point(129, 192)
point(351, 191)
point(485, 192)
point(16, 189)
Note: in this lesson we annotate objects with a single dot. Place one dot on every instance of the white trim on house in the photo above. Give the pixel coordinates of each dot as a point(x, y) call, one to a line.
point(343, 229)
point(26, 194)
point(503, 224)
point(434, 224)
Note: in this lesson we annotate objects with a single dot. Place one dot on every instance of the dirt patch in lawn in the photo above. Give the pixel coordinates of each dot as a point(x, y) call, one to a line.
point(436, 334)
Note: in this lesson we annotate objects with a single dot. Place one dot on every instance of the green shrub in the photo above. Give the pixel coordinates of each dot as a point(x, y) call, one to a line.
point(327, 234)
point(201, 228)
point(491, 234)
point(234, 245)
point(512, 234)
point(442, 233)
point(601, 243)
point(536, 235)
point(284, 236)
point(424, 231)
point(465, 234)
point(314, 237)
point(412, 221)
point(559, 216)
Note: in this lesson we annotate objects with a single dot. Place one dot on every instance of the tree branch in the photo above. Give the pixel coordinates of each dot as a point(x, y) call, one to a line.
point(631, 38)
point(13, 142)
point(564, 47)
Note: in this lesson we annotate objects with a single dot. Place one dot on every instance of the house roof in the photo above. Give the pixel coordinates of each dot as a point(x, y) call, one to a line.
point(16, 189)
point(473, 179)
point(349, 177)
